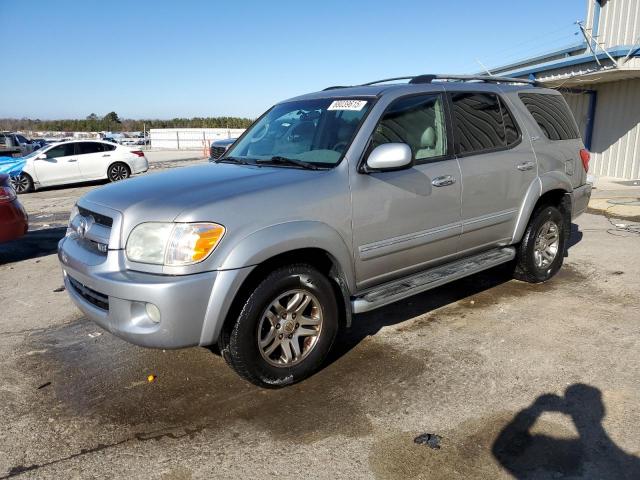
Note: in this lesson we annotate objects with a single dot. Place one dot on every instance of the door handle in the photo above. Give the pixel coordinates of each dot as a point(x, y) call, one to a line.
point(443, 181)
point(72, 160)
point(106, 155)
point(526, 166)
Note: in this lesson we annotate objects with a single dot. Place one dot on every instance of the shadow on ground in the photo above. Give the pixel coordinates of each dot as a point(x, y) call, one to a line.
point(531, 444)
point(369, 324)
point(34, 244)
point(592, 454)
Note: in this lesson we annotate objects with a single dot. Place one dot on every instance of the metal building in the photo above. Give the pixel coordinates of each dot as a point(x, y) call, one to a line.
point(600, 78)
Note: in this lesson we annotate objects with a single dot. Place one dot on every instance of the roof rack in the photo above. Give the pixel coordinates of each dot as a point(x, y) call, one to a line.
point(429, 78)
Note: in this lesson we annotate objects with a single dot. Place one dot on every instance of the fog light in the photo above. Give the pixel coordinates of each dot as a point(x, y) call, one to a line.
point(153, 312)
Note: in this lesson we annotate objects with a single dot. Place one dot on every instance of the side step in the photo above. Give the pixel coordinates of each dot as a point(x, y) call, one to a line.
point(390, 292)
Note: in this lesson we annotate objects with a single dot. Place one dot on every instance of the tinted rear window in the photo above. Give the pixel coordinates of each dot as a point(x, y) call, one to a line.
point(89, 147)
point(552, 113)
point(482, 123)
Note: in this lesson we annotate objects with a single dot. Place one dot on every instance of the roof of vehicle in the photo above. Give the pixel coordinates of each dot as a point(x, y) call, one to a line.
point(424, 83)
point(83, 140)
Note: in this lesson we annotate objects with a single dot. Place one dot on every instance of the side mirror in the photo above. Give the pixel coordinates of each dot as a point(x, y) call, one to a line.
point(390, 156)
point(42, 156)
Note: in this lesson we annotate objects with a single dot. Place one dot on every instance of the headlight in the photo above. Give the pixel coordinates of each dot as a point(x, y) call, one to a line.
point(72, 215)
point(173, 244)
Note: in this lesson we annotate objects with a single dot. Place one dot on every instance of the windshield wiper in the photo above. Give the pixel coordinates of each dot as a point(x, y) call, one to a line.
point(278, 160)
point(239, 160)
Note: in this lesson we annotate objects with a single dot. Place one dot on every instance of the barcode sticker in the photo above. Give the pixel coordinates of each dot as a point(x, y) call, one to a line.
point(355, 105)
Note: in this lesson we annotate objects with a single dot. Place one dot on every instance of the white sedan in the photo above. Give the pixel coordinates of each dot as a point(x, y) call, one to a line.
point(79, 161)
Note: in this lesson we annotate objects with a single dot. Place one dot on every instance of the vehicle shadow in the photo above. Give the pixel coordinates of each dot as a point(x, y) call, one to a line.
point(575, 237)
point(67, 186)
point(591, 455)
point(34, 244)
point(369, 324)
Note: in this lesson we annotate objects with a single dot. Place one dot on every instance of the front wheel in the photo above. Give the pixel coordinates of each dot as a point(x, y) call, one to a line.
point(22, 183)
point(541, 252)
point(118, 171)
point(285, 329)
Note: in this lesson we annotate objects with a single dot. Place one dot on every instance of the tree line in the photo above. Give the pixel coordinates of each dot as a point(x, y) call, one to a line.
point(112, 123)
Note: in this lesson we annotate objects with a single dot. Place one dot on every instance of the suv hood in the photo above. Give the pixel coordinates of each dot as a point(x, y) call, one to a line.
point(163, 196)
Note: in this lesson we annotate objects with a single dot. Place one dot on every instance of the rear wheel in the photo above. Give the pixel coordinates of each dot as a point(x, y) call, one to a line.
point(285, 329)
point(541, 252)
point(22, 183)
point(118, 171)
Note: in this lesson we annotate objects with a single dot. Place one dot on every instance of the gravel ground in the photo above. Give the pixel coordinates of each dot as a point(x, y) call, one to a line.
point(483, 378)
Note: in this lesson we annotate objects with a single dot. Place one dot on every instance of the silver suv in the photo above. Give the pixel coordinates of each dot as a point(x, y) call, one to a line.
point(330, 204)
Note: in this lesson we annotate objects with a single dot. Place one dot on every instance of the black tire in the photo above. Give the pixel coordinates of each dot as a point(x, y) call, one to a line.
point(118, 171)
point(239, 340)
point(527, 266)
point(23, 183)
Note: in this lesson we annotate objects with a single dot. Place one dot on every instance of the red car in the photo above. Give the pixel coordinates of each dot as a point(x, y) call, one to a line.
point(13, 218)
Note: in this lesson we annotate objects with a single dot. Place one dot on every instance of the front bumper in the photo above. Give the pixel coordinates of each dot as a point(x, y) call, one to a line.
point(116, 298)
point(580, 200)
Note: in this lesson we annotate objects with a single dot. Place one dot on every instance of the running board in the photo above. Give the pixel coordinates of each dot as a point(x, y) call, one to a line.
point(390, 292)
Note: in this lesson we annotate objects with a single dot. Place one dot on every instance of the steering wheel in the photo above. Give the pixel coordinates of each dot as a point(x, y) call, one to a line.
point(340, 146)
point(259, 137)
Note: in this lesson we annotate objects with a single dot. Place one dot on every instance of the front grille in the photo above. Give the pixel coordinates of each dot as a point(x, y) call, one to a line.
point(97, 217)
point(216, 152)
point(96, 299)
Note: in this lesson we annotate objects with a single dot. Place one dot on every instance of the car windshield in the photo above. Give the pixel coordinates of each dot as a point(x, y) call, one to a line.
point(302, 134)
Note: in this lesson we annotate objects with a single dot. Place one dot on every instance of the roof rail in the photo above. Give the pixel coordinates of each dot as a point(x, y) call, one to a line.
point(429, 78)
point(472, 78)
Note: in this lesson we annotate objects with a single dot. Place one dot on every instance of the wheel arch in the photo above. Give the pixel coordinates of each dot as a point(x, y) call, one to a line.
point(313, 243)
point(116, 162)
point(553, 188)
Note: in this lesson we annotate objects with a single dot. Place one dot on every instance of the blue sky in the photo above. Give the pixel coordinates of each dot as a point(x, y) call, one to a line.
point(165, 59)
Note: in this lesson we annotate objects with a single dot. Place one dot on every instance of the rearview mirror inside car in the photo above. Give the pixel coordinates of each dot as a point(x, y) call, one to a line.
point(390, 156)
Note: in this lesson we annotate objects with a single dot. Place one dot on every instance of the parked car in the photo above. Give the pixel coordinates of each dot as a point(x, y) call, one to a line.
point(331, 204)
point(39, 142)
point(218, 147)
point(79, 161)
point(13, 219)
point(10, 145)
point(26, 145)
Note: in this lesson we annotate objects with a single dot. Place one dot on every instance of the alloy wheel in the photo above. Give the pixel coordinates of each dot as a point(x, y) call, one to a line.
point(21, 183)
point(289, 328)
point(118, 172)
point(546, 245)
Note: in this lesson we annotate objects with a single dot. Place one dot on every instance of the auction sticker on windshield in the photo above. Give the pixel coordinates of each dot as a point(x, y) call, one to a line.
point(356, 105)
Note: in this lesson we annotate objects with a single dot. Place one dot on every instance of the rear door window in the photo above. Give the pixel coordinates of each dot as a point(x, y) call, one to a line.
point(552, 114)
point(478, 124)
point(89, 147)
point(482, 123)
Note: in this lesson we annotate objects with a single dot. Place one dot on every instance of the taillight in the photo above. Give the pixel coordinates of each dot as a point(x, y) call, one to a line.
point(138, 153)
point(585, 156)
point(7, 194)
